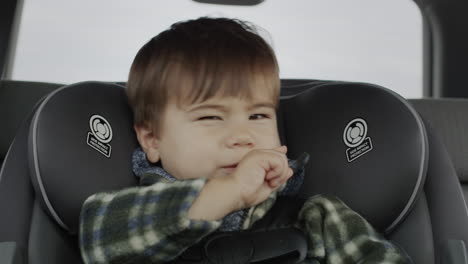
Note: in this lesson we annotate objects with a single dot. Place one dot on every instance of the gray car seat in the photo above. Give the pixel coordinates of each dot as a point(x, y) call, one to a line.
point(367, 145)
point(449, 117)
point(17, 99)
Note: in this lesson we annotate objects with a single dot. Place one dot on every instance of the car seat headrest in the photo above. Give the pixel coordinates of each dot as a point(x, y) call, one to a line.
point(81, 142)
point(367, 146)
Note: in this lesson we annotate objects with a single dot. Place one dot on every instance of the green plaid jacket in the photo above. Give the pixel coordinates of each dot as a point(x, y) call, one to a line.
point(150, 225)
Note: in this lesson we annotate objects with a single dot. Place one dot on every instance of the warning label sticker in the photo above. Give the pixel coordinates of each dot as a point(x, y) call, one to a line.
point(103, 148)
point(356, 152)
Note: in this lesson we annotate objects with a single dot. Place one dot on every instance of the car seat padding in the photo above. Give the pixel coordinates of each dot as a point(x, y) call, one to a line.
point(382, 172)
point(81, 141)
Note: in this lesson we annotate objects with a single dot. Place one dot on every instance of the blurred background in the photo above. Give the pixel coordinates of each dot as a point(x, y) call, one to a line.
point(372, 41)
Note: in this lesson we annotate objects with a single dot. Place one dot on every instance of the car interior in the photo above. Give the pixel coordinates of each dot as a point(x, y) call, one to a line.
point(405, 170)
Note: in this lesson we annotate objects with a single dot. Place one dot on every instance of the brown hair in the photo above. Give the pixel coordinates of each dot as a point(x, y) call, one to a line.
point(195, 60)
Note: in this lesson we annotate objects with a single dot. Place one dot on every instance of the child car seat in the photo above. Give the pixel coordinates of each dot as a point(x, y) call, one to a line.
point(367, 146)
point(11, 93)
point(447, 116)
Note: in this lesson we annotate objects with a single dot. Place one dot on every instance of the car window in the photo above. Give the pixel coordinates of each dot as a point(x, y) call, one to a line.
point(363, 40)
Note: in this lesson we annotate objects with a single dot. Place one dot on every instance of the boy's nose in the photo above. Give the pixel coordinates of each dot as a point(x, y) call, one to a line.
point(240, 139)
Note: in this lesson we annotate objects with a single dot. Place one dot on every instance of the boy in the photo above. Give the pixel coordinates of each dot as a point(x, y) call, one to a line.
point(204, 95)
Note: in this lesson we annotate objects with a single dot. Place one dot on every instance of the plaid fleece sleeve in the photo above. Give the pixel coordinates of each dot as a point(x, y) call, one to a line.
point(337, 234)
point(141, 224)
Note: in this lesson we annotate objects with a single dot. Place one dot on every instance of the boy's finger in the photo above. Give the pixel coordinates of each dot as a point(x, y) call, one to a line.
point(272, 184)
point(283, 149)
point(272, 174)
point(274, 179)
point(275, 183)
point(279, 170)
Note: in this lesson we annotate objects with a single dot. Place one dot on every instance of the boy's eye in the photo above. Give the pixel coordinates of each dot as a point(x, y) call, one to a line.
point(258, 116)
point(209, 118)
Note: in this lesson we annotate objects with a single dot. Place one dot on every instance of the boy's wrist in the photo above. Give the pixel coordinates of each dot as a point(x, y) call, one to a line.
point(218, 198)
point(230, 192)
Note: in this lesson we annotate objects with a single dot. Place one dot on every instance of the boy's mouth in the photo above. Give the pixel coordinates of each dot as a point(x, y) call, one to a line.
point(232, 166)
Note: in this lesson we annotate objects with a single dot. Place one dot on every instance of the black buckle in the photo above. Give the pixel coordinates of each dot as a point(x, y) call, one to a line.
point(229, 248)
point(285, 245)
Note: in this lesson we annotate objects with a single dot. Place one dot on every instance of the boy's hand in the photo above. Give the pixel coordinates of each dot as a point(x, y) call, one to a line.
point(260, 173)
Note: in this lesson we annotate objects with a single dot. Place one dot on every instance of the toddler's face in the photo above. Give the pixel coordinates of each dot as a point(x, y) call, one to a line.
point(208, 139)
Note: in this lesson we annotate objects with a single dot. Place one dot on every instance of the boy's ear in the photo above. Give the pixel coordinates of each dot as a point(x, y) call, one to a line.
point(148, 142)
